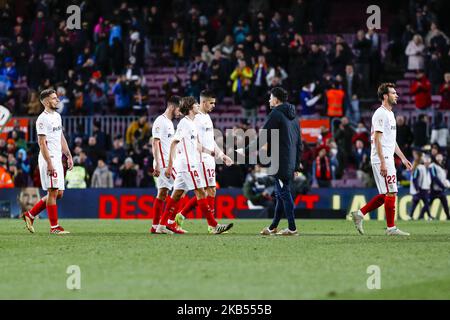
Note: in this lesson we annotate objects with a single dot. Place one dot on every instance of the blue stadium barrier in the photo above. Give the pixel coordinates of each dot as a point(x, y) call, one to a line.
point(230, 203)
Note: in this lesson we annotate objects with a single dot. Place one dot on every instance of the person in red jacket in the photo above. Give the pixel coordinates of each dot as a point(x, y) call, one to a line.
point(421, 89)
point(444, 91)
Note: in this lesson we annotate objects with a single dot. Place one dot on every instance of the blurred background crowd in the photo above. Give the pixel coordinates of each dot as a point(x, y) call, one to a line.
point(129, 57)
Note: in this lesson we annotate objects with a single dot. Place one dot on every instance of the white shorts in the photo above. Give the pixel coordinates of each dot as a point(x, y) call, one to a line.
point(388, 183)
point(57, 180)
point(189, 180)
point(208, 169)
point(163, 182)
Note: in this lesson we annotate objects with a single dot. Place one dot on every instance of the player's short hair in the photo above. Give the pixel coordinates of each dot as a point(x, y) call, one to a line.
point(45, 93)
point(280, 94)
point(208, 94)
point(186, 104)
point(174, 101)
point(384, 89)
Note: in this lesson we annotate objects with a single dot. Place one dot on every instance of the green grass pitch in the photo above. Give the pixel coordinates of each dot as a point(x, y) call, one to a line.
point(119, 260)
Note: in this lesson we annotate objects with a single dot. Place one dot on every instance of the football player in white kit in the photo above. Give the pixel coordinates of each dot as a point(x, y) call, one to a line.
point(384, 146)
point(208, 163)
point(52, 144)
point(162, 132)
point(185, 144)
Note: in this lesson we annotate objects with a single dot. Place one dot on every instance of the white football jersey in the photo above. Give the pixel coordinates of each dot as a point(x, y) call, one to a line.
point(440, 174)
point(188, 155)
point(205, 129)
point(384, 121)
point(163, 129)
point(50, 125)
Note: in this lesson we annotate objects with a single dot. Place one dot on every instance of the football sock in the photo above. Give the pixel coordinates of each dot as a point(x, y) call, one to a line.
point(212, 204)
point(158, 206)
point(38, 208)
point(190, 205)
point(373, 204)
point(389, 207)
point(170, 209)
point(206, 211)
point(52, 211)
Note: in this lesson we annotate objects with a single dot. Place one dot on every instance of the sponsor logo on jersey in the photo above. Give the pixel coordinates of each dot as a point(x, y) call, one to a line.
point(57, 128)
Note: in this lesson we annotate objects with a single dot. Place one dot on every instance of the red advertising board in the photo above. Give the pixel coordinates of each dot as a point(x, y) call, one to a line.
point(311, 128)
point(9, 126)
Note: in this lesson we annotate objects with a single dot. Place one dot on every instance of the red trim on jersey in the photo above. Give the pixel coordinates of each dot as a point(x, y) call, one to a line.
point(193, 180)
point(187, 157)
point(173, 175)
point(387, 187)
point(162, 155)
point(204, 173)
point(51, 182)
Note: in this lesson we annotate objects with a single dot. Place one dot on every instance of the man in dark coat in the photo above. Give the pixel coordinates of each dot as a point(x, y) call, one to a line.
point(284, 119)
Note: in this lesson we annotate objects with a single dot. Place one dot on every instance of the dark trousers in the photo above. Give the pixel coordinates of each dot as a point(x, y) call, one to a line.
point(441, 196)
point(425, 197)
point(283, 203)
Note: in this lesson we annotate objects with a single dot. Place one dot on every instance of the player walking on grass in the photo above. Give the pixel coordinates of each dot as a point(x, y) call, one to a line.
point(52, 144)
point(162, 132)
point(384, 145)
point(188, 151)
point(208, 164)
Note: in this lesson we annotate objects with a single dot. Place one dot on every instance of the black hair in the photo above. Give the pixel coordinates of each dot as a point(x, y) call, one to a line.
point(280, 94)
point(174, 101)
point(45, 93)
point(208, 94)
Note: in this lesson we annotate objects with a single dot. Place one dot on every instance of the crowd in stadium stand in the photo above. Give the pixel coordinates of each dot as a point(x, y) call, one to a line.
point(239, 49)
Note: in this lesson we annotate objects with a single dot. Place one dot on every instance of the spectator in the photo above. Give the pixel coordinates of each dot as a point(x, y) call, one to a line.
point(421, 89)
point(260, 85)
point(136, 52)
point(6, 180)
point(33, 105)
point(436, 39)
point(307, 99)
point(173, 87)
point(226, 47)
point(122, 97)
point(77, 177)
point(335, 101)
point(241, 77)
point(416, 53)
point(9, 70)
point(360, 153)
point(128, 174)
point(323, 169)
point(439, 132)
point(435, 71)
point(352, 86)
point(102, 177)
point(343, 137)
point(138, 130)
point(362, 48)
point(278, 72)
point(420, 131)
point(258, 188)
point(179, 48)
point(361, 133)
point(316, 62)
point(444, 91)
point(404, 135)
